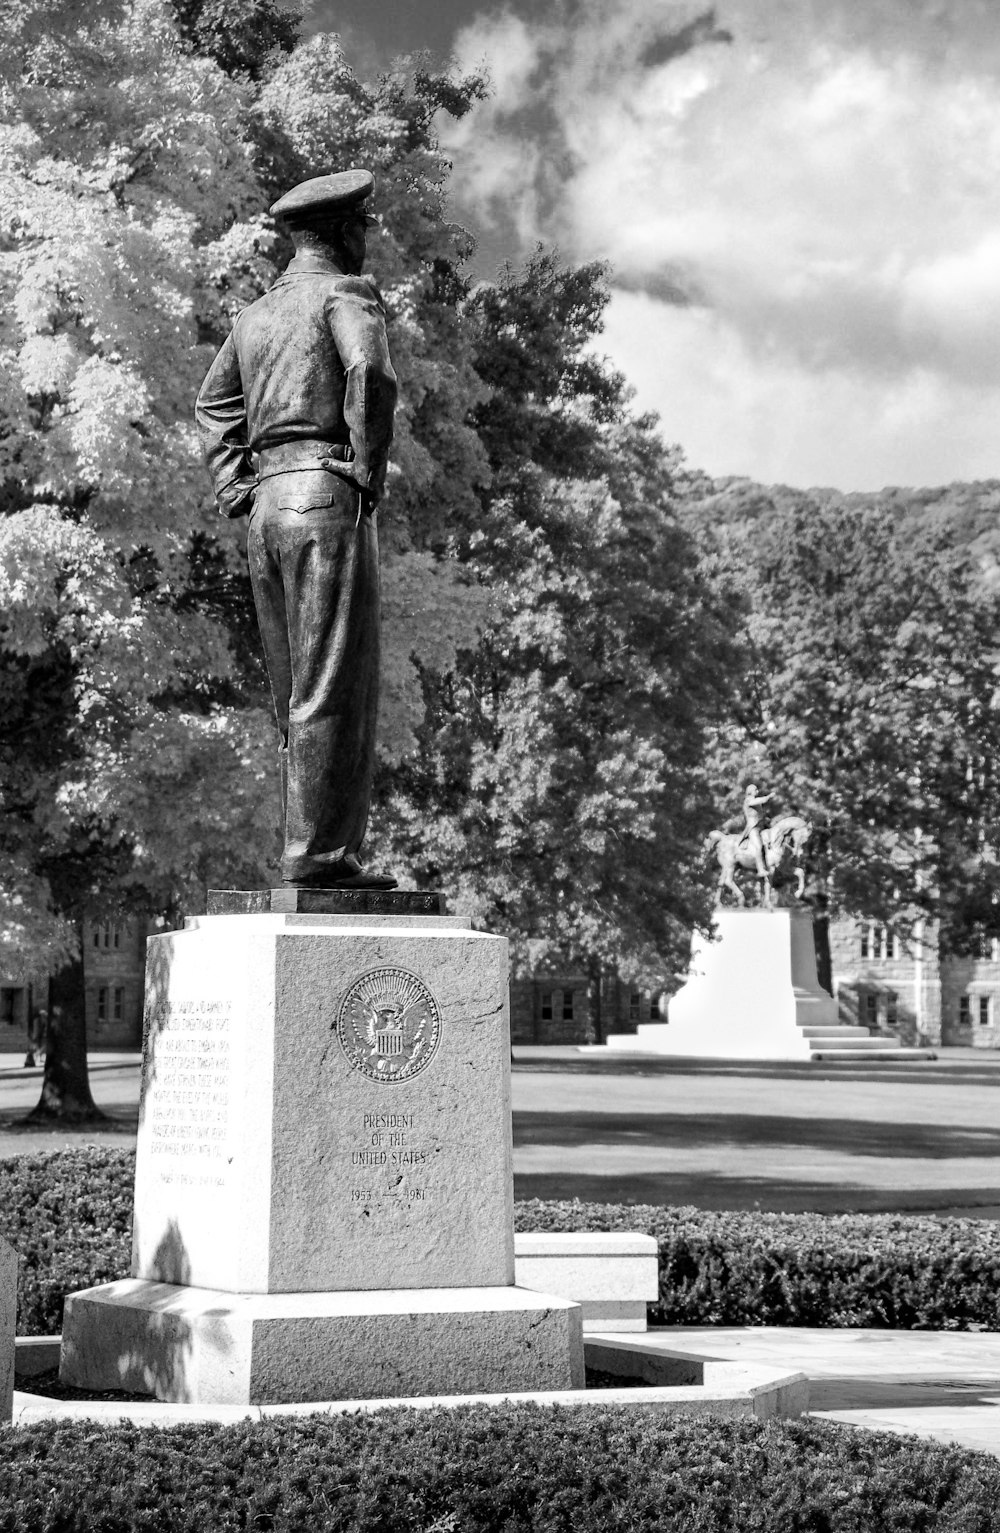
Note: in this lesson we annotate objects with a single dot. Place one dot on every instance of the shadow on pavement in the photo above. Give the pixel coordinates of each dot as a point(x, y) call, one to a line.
point(965, 1072)
point(856, 1394)
point(729, 1131)
point(746, 1194)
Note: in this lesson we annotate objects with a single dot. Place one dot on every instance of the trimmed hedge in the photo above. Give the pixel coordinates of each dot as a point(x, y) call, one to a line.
point(68, 1215)
point(519, 1469)
point(889, 1271)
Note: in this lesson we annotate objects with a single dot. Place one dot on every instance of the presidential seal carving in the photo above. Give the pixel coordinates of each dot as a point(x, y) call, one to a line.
point(389, 1025)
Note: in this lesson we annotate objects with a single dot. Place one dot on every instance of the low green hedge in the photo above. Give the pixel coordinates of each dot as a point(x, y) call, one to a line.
point(893, 1271)
point(68, 1215)
point(519, 1469)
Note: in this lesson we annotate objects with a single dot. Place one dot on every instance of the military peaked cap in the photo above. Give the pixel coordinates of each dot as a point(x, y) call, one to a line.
point(339, 196)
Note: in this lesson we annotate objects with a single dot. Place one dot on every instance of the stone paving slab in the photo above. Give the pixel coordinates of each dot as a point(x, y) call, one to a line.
point(943, 1385)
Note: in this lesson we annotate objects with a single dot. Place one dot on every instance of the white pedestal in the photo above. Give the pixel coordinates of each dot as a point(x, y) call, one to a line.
point(752, 994)
point(325, 1116)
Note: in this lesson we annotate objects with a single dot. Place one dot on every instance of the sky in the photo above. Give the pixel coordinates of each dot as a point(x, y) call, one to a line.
point(799, 201)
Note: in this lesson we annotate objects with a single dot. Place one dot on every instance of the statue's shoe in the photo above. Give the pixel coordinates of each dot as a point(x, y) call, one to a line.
point(348, 873)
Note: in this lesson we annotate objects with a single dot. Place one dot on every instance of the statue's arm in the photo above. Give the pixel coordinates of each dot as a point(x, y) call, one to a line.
point(220, 413)
point(358, 326)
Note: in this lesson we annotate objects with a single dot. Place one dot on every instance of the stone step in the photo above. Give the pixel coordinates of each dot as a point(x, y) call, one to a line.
point(863, 1044)
point(893, 1055)
point(838, 1031)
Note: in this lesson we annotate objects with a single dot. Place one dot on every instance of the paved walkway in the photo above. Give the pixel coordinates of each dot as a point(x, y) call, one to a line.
point(943, 1385)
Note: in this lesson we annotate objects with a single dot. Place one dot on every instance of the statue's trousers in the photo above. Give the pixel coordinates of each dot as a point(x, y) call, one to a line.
point(313, 555)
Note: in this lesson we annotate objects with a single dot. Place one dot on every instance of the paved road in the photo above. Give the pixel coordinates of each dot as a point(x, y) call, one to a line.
point(833, 1138)
point(114, 1084)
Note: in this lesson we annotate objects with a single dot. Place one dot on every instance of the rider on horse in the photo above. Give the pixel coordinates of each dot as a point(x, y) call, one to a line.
point(752, 801)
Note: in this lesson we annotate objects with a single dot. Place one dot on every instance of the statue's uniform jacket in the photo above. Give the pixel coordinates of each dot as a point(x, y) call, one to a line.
point(295, 418)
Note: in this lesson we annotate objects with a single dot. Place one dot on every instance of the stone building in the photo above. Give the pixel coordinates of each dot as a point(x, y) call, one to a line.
point(558, 1008)
point(114, 958)
point(916, 992)
point(114, 966)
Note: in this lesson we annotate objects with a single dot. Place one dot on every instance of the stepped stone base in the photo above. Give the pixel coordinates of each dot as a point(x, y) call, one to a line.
point(199, 1345)
point(754, 994)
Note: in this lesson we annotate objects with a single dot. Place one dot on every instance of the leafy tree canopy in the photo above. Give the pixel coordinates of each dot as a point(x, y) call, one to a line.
point(870, 704)
point(558, 787)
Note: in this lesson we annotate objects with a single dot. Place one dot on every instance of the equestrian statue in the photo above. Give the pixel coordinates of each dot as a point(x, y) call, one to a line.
point(761, 848)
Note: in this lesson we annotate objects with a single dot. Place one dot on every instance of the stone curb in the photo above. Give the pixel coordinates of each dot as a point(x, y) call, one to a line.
point(726, 1389)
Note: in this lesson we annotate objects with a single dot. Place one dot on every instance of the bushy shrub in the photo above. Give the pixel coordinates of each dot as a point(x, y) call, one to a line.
point(894, 1271)
point(517, 1468)
point(68, 1215)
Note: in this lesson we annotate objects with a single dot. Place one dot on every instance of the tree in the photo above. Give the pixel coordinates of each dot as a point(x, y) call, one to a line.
point(553, 656)
point(139, 145)
point(557, 789)
point(110, 251)
point(870, 704)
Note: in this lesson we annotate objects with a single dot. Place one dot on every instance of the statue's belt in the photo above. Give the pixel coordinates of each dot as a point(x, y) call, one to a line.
point(294, 457)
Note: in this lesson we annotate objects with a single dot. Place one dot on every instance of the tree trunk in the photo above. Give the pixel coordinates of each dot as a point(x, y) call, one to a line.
point(65, 1084)
point(596, 1012)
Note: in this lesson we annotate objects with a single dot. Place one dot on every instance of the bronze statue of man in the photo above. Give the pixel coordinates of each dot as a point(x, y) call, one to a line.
point(295, 418)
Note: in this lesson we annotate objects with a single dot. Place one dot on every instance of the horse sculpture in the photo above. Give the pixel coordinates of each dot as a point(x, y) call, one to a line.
point(788, 833)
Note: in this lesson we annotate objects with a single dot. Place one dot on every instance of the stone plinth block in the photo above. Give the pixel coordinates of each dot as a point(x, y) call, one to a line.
point(611, 1276)
point(190, 1344)
point(325, 1106)
point(753, 994)
point(8, 1309)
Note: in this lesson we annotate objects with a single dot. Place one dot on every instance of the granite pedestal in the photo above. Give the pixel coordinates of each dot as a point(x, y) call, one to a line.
point(324, 1157)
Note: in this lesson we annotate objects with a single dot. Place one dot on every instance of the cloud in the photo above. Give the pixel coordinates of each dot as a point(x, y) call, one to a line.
point(820, 191)
point(735, 410)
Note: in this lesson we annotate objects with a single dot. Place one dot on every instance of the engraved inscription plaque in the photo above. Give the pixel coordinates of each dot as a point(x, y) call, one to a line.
point(389, 1025)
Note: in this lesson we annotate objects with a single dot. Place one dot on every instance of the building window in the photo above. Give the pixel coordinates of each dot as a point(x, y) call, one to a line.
point(567, 1006)
point(635, 1006)
point(102, 1004)
point(984, 1011)
point(108, 935)
point(654, 1008)
point(871, 1009)
point(891, 1009)
point(879, 942)
point(964, 1011)
point(8, 1007)
point(118, 1004)
point(546, 1005)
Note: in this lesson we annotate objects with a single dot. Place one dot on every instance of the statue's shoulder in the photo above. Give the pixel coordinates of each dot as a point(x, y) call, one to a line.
point(357, 287)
